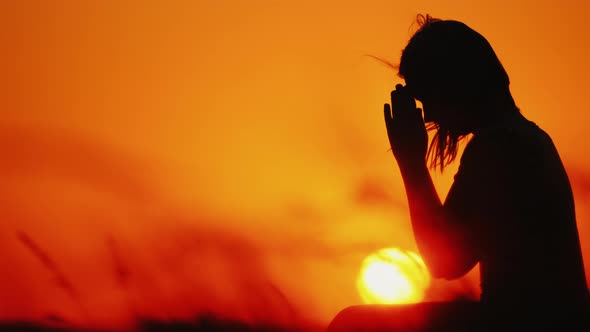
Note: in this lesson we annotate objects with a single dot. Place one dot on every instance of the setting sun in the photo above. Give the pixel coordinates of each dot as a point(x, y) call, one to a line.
point(391, 276)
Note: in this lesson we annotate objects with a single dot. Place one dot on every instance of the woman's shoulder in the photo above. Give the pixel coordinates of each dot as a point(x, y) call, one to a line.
point(514, 130)
point(514, 138)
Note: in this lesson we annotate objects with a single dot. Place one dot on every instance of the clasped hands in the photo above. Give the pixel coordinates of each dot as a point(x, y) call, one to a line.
point(405, 129)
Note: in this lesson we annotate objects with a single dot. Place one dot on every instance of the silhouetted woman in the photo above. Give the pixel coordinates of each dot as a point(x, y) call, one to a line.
point(510, 208)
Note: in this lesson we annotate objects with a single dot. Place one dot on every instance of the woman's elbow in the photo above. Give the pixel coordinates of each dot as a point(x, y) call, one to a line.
point(447, 274)
point(449, 270)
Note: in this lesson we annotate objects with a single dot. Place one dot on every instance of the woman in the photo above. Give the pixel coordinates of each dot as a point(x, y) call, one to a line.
point(510, 207)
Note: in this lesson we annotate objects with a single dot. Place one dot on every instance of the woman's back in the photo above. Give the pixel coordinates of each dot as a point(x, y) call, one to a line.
point(530, 251)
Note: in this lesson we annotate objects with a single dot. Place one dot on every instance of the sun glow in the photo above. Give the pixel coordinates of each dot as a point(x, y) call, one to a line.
point(391, 276)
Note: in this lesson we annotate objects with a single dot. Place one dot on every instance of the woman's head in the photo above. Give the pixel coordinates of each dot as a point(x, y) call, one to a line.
point(455, 73)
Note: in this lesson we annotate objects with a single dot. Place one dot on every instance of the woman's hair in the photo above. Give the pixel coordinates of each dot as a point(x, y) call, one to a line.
point(449, 62)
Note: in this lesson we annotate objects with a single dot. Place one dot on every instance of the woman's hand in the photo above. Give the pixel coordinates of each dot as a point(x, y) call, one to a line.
point(405, 128)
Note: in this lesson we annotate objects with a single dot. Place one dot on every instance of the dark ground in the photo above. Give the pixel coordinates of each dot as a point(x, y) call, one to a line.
point(202, 324)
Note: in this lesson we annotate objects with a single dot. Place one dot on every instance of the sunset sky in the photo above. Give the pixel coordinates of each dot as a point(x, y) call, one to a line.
point(167, 158)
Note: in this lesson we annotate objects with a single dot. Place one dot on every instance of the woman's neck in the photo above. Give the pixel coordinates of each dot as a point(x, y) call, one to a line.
point(495, 111)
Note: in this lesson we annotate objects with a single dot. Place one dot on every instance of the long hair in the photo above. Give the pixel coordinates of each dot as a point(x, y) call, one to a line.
point(450, 62)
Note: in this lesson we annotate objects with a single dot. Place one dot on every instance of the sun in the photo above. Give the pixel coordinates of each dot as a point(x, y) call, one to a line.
point(392, 276)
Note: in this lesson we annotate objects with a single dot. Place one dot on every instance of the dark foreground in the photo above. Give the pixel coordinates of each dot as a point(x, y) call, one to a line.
point(204, 324)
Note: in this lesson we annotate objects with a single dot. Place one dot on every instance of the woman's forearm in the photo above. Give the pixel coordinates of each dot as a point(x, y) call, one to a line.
point(438, 242)
point(423, 202)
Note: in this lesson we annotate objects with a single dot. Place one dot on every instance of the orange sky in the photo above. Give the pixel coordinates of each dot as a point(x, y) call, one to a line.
point(166, 152)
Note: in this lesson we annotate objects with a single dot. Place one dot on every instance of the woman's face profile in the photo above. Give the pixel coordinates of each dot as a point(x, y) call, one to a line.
point(445, 113)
